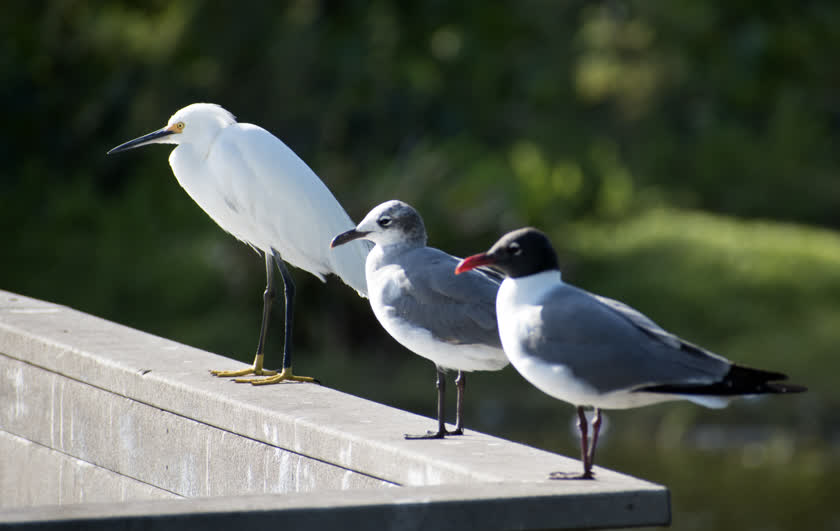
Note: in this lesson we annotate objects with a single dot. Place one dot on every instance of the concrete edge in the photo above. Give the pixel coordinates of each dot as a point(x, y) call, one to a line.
point(528, 505)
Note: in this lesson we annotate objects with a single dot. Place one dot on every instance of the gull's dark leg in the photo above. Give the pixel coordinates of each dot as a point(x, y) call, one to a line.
point(596, 428)
point(441, 410)
point(289, 296)
point(582, 426)
point(584, 450)
point(268, 299)
point(461, 384)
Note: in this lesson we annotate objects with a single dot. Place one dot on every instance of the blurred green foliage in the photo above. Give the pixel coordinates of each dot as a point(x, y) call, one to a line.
point(682, 155)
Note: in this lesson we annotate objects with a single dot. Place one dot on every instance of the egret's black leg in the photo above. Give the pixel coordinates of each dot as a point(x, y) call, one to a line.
point(268, 299)
point(289, 297)
point(441, 410)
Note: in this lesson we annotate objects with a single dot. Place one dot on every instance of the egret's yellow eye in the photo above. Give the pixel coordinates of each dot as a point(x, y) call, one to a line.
point(179, 126)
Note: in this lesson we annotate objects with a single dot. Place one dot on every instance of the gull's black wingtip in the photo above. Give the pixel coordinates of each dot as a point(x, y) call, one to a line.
point(784, 388)
point(738, 381)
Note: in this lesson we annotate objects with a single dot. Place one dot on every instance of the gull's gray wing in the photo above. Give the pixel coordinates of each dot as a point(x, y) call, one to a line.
point(614, 347)
point(640, 320)
point(457, 309)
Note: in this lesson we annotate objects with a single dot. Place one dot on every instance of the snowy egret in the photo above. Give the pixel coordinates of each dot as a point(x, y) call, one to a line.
point(417, 298)
point(256, 188)
point(597, 352)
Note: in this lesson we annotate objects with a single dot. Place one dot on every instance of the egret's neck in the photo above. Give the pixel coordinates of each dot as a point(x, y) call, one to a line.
point(182, 159)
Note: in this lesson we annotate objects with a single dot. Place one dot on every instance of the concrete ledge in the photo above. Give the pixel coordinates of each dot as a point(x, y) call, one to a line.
point(449, 507)
point(128, 417)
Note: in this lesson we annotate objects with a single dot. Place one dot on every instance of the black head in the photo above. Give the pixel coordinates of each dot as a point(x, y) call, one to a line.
point(518, 253)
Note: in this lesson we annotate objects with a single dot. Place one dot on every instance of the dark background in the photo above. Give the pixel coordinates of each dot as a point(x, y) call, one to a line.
point(681, 154)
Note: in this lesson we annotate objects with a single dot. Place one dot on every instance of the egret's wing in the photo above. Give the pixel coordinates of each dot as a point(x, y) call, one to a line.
point(208, 179)
point(613, 346)
point(290, 209)
point(457, 309)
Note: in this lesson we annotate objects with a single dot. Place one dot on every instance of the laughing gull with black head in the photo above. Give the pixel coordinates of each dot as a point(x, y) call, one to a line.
point(596, 352)
point(418, 299)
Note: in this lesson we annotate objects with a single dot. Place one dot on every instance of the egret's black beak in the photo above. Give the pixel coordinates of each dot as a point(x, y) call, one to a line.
point(345, 237)
point(142, 141)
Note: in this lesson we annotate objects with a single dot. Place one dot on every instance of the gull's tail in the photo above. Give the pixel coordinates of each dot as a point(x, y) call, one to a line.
point(738, 381)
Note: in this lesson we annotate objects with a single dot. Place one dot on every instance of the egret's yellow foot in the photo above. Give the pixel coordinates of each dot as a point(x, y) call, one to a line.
point(285, 376)
point(256, 369)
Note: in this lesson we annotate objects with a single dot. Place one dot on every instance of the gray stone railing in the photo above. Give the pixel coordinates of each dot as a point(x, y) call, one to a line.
point(92, 411)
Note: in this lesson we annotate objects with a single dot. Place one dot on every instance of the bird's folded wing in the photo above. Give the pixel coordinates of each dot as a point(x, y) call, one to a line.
point(615, 346)
point(457, 309)
point(296, 212)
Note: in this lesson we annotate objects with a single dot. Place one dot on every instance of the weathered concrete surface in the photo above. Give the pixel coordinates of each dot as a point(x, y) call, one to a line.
point(144, 410)
point(517, 505)
point(152, 445)
point(32, 474)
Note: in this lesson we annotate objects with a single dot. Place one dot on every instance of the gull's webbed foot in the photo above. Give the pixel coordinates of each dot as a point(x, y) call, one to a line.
point(571, 475)
point(428, 435)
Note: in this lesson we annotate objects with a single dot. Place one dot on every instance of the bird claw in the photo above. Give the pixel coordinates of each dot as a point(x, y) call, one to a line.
point(435, 434)
point(571, 475)
point(243, 372)
point(428, 435)
point(285, 376)
point(440, 434)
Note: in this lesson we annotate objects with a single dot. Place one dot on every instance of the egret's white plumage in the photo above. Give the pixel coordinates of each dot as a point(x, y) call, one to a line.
point(256, 188)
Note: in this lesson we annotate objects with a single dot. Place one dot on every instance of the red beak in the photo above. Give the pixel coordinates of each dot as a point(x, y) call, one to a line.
point(471, 262)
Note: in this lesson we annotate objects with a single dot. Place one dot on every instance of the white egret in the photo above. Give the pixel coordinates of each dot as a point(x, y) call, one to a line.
point(257, 189)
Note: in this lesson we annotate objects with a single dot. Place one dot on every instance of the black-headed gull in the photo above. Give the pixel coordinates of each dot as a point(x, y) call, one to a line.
point(592, 351)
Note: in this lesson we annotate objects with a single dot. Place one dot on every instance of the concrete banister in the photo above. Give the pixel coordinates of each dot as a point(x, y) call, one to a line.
point(92, 411)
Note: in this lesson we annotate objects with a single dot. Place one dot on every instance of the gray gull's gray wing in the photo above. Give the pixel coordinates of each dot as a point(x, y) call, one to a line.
point(457, 309)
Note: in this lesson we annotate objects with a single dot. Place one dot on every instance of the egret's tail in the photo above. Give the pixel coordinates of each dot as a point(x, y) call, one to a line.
point(348, 263)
